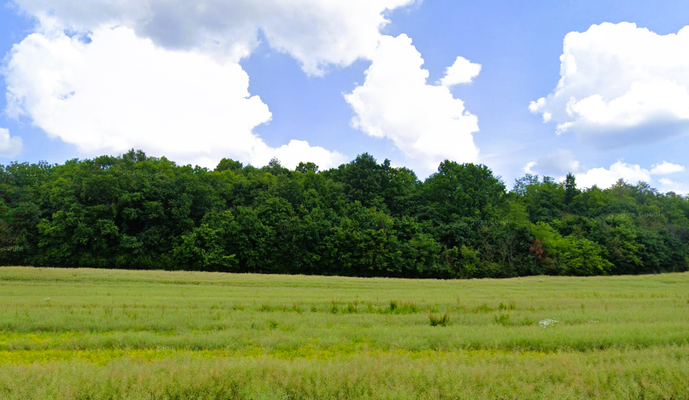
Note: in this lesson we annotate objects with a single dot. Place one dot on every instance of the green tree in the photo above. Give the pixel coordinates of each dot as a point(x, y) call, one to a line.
point(463, 191)
point(570, 189)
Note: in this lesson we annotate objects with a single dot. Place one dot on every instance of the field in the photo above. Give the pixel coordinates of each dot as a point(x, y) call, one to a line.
point(102, 334)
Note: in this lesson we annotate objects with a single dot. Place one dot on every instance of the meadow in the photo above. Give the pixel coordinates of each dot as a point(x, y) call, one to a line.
point(105, 334)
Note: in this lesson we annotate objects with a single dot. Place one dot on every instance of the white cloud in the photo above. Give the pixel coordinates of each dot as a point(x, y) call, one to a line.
point(9, 146)
point(163, 75)
point(290, 155)
point(672, 186)
point(462, 71)
point(317, 33)
point(667, 168)
point(120, 91)
point(561, 162)
point(621, 85)
point(604, 178)
point(424, 121)
point(528, 168)
point(556, 165)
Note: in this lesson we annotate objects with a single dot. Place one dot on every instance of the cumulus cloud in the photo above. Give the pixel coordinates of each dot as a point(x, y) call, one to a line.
point(118, 91)
point(462, 71)
point(424, 121)
point(562, 162)
point(667, 168)
point(606, 177)
point(556, 165)
point(621, 85)
point(290, 155)
point(317, 33)
point(9, 146)
point(669, 185)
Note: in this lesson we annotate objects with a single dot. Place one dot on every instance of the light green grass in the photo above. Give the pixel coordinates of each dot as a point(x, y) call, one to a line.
point(100, 334)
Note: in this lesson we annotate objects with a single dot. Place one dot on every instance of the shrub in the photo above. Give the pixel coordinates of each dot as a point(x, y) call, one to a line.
point(401, 308)
point(439, 320)
point(502, 318)
point(483, 308)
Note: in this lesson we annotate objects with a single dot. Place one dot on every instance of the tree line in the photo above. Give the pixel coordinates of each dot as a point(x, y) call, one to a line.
point(360, 219)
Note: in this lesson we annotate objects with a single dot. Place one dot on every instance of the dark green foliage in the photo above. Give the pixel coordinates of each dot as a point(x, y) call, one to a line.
point(544, 201)
point(361, 219)
point(570, 189)
point(463, 191)
point(229, 164)
point(503, 318)
point(439, 320)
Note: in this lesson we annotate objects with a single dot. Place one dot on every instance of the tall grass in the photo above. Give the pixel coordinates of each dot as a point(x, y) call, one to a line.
point(95, 334)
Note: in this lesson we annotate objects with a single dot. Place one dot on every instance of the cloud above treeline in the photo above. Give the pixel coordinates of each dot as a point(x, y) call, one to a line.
point(606, 177)
point(666, 168)
point(562, 162)
point(424, 121)
point(164, 76)
point(556, 165)
point(633, 174)
point(119, 91)
point(621, 85)
point(9, 146)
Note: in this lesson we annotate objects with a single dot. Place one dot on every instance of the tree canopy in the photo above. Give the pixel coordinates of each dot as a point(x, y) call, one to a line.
point(363, 218)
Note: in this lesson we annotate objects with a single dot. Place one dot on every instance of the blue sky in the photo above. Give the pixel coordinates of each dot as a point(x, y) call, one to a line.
point(324, 81)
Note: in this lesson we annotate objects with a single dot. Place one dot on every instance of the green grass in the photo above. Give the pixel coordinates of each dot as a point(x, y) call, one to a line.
point(101, 334)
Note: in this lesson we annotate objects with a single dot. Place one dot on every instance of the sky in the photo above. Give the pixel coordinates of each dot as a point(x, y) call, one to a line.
point(597, 88)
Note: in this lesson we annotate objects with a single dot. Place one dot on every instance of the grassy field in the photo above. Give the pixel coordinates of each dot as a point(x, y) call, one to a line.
point(101, 334)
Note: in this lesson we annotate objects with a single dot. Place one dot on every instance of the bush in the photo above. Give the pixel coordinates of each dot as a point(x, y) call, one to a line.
point(437, 320)
point(502, 318)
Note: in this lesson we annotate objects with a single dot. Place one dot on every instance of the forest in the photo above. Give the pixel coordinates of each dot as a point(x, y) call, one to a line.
point(361, 219)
